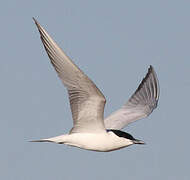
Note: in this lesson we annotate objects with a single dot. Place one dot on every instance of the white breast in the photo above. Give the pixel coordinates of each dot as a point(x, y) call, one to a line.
point(96, 142)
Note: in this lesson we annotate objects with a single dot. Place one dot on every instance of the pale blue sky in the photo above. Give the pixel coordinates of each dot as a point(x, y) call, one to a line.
point(113, 42)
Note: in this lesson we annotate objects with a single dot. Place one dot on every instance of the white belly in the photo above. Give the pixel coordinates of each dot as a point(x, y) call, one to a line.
point(96, 142)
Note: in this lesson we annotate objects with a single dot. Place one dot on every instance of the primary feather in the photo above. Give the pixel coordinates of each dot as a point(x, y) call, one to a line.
point(86, 100)
point(140, 105)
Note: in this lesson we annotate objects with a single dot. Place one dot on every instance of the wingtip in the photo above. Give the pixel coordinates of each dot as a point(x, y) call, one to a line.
point(34, 19)
point(151, 68)
point(36, 22)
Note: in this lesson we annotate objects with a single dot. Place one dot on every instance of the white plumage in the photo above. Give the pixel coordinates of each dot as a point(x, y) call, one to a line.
point(90, 130)
point(140, 105)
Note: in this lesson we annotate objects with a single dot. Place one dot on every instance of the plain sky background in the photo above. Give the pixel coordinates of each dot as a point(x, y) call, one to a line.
point(113, 42)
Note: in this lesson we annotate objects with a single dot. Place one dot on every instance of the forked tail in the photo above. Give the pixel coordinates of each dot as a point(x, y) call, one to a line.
point(58, 139)
point(41, 140)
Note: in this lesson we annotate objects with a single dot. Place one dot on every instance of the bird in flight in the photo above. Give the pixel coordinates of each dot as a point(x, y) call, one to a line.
point(90, 130)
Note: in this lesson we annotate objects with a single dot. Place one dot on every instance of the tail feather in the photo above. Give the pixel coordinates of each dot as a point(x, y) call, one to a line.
point(57, 139)
point(41, 140)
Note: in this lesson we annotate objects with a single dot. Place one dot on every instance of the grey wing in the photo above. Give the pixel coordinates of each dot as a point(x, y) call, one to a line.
point(86, 100)
point(140, 105)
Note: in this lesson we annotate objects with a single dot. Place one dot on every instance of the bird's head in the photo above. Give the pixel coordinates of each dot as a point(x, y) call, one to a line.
point(127, 136)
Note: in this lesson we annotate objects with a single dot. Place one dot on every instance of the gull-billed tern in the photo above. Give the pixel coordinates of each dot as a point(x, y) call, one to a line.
point(90, 130)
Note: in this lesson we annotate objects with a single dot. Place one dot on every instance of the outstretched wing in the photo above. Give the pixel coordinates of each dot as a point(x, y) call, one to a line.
point(86, 100)
point(140, 105)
